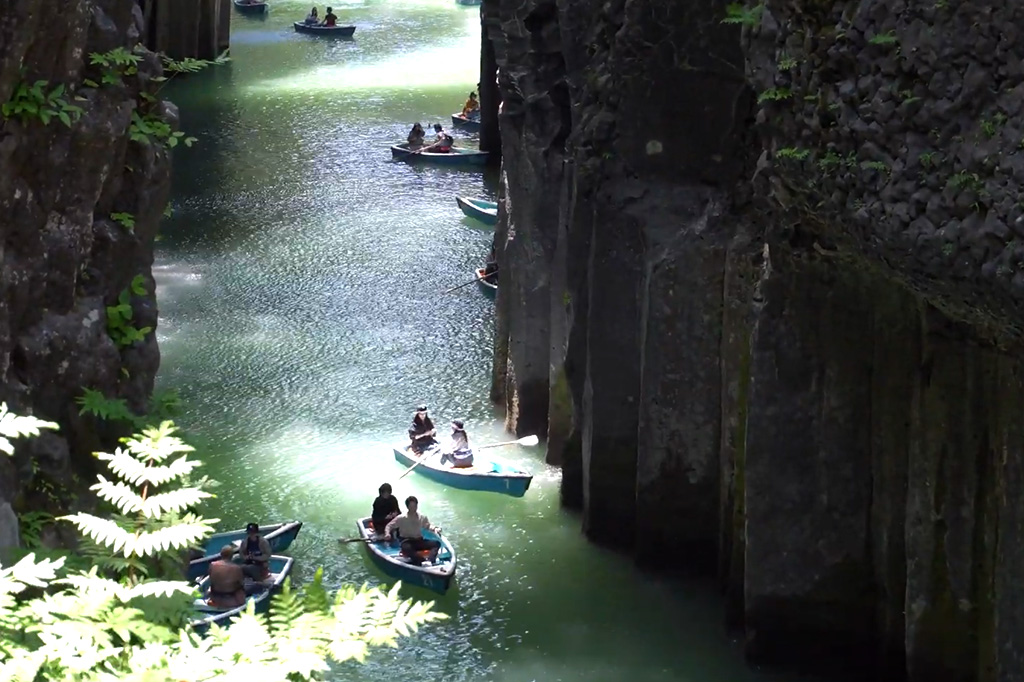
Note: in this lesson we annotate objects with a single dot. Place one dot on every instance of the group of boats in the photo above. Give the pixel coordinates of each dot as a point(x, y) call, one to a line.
point(488, 474)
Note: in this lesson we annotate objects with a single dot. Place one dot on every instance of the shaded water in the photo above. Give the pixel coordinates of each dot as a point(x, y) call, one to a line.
point(302, 318)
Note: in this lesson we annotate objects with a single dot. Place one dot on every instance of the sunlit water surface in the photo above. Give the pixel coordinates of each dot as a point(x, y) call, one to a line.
point(302, 318)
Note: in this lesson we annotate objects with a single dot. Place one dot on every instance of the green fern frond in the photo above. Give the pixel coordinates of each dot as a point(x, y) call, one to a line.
point(15, 426)
point(129, 502)
point(157, 443)
point(135, 472)
point(101, 531)
point(95, 403)
point(180, 536)
point(28, 573)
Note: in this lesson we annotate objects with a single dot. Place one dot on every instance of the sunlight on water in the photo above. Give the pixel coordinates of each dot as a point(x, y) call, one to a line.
point(400, 71)
point(303, 313)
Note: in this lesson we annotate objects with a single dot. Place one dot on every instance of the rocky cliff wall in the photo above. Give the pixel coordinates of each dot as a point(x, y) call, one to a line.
point(759, 286)
point(80, 204)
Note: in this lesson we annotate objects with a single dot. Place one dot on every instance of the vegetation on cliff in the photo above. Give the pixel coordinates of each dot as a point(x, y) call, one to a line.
point(127, 618)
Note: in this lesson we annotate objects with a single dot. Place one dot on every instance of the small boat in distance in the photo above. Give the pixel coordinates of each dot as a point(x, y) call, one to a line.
point(486, 475)
point(325, 31)
point(207, 615)
point(468, 3)
point(458, 156)
point(279, 535)
point(246, 7)
point(489, 288)
point(470, 125)
point(479, 209)
point(388, 558)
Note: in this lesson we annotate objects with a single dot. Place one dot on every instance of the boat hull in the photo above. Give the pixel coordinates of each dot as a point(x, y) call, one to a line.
point(466, 124)
point(280, 536)
point(437, 578)
point(504, 480)
point(490, 290)
point(478, 209)
point(251, 8)
point(459, 156)
point(206, 616)
point(324, 31)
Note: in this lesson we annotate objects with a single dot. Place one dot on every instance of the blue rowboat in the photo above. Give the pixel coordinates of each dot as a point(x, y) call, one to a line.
point(279, 535)
point(436, 577)
point(206, 615)
point(250, 7)
point(458, 156)
point(485, 475)
point(480, 209)
point(324, 31)
point(470, 125)
point(491, 291)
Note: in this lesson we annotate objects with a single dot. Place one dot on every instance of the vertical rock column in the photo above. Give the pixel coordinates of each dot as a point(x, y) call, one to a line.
point(807, 470)
point(534, 126)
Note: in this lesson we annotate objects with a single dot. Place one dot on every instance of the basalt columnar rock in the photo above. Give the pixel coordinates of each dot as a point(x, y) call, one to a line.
point(80, 202)
point(761, 282)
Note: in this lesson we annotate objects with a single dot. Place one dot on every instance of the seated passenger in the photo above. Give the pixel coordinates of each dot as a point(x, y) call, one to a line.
point(422, 431)
point(471, 109)
point(313, 17)
point(410, 527)
point(255, 550)
point(227, 581)
point(458, 452)
point(416, 136)
point(330, 18)
point(385, 508)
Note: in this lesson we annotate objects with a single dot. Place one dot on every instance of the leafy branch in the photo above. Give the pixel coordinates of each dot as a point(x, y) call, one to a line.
point(119, 316)
point(38, 101)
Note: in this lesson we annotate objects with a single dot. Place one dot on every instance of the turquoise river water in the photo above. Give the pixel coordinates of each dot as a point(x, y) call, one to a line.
point(300, 284)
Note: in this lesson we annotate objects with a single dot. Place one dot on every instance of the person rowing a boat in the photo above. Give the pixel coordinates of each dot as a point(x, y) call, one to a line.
point(410, 527)
point(422, 431)
point(458, 452)
point(443, 143)
point(330, 18)
point(491, 269)
point(385, 508)
point(471, 109)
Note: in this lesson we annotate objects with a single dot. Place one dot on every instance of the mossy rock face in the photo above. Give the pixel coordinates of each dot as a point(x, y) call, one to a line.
point(900, 135)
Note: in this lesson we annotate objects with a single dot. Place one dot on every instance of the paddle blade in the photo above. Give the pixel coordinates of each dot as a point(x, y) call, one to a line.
point(529, 441)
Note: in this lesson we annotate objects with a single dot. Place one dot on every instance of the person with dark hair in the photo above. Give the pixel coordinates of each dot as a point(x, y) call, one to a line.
point(471, 109)
point(442, 143)
point(330, 18)
point(422, 431)
point(409, 528)
point(385, 508)
point(416, 136)
point(458, 452)
point(255, 550)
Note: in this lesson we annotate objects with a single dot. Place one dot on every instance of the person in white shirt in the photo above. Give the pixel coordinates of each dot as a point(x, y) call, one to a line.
point(458, 451)
point(410, 527)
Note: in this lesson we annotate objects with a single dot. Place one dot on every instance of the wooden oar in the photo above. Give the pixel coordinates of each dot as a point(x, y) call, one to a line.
point(345, 541)
point(528, 441)
point(466, 284)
